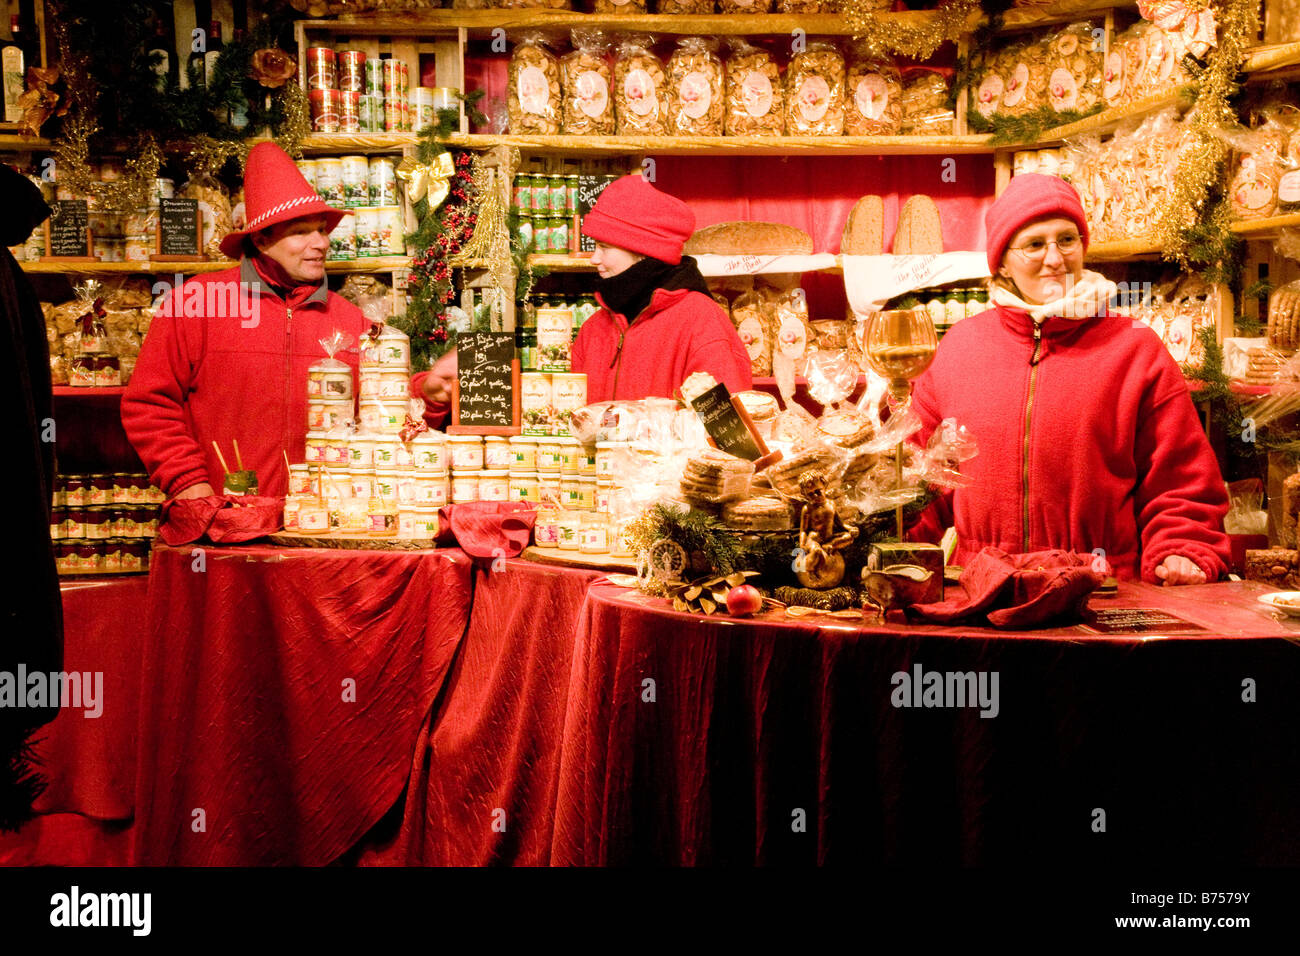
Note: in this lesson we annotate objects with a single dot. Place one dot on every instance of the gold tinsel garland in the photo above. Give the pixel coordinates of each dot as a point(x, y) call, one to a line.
point(208, 155)
point(1201, 164)
point(490, 242)
point(885, 34)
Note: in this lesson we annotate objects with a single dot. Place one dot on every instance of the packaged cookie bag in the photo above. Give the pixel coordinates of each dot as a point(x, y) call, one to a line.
point(754, 327)
point(585, 76)
point(685, 6)
point(874, 94)
point(534, 86)
point(814, 92)
point(619, 6)
point(755, 95)
point(925, 104)
point(1074, 79)
point(640, 89)
point(695, 87)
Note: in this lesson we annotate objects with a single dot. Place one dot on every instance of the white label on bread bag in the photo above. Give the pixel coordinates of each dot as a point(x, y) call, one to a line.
point(1064, 90)
point(639, 89)
point(593, 93)
point(750, 331)
point(813, 98)
point(756, 93)
point(1114, 74)
point(695, 94)
point(1288, 189)
point(792, 337)
point(1016, 86)
point(531, 86)
point(989, 97)
point(1162, 58)
point(872, 96)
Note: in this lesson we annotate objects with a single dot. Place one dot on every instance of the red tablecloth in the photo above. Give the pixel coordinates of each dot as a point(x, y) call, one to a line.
point(283, 696)
point(483, 792)
point(713, 741)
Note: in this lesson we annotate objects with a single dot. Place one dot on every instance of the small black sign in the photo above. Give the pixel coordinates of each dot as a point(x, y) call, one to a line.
point(483, 361)
point(724, 424)
point(178, 227)
point(589, 190)
point(68, 221)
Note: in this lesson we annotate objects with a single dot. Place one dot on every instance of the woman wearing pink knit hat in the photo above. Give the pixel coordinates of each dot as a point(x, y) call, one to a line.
point(1088, 439)
point(657, 323)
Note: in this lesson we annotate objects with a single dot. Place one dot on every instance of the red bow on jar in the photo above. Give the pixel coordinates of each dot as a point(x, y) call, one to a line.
point(412, 428)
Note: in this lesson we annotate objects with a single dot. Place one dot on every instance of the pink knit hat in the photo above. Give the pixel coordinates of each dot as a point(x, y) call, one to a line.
point(633, 215)
point(1029, 197)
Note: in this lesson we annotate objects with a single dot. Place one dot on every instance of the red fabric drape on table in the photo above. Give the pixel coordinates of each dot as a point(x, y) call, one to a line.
point(494, 752)
point(245, 712)
point(778, 743)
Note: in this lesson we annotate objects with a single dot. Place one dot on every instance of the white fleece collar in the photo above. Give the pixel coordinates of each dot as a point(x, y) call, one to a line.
point(1086, 300)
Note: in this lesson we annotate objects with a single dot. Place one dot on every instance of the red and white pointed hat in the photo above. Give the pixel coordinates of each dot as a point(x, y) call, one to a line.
point(275, 191)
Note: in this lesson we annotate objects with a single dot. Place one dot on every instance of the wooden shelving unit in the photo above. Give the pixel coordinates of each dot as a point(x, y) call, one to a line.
point(56, 267)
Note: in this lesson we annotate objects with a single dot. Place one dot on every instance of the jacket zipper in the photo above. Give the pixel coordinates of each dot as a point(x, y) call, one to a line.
point(1029, 406)
point(288, 378)
point(617, 364)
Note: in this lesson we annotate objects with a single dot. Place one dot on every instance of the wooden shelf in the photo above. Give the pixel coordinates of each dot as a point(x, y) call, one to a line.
point(1268, 59)
point(1266, 228)
point(13, 141)
point(76, 391)
point(324, 143)
point(482, 22)
point(1108, 119)
point(1122, 249)
point(54, 267)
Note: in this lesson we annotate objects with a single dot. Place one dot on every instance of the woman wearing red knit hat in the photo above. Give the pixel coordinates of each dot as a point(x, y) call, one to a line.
point(1088, 439)
point(657, 322)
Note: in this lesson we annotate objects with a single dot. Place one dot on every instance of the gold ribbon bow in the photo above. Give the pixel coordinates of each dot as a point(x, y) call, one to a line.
point(427, 181)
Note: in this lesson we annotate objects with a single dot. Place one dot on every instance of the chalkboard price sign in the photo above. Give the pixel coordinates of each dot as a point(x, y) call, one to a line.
point(485, 379)
point(179, 233)
point(724, 424)
point(589, 190)
point(69, 236)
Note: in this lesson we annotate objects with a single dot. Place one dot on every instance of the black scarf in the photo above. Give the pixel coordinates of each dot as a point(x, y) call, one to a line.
point(629, 292)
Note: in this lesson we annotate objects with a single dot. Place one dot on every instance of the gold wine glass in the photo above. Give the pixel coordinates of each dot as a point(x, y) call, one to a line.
point(899, 344)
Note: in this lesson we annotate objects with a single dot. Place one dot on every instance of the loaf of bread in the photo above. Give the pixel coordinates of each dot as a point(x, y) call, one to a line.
point(864, 230)
point(749, 238)
point(919, 231)
point(1275, 566)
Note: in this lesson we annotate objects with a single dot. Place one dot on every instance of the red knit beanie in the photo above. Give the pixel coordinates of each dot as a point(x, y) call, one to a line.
point(1029, 197)
point(633, 215)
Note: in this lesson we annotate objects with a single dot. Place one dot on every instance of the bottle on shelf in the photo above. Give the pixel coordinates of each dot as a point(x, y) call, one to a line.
point(163, 53)
point(13, 65)
point(239, 113)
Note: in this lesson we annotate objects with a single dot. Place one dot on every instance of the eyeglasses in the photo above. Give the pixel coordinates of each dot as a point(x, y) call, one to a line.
point(1035, 250)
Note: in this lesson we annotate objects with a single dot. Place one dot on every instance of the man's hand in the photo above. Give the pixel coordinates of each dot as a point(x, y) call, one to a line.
point(201, 490)
point(437, 384)
point(1176, 569)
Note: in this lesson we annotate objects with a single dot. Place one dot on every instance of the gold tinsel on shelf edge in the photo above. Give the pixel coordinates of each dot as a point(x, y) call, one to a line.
point(1200, 166)
point(208, 155)
point(883, 36)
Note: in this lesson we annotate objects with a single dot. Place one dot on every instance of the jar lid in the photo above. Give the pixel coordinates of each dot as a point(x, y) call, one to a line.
point(301, 467)
point(590, 478)
point(568, 442)
point(524, 439)
point(524, 475)
point(494, 473)
point(465, 439)
point(430, 438)
point(316, 435)
point(426, 509)
point(489, 438)
point(388, 472)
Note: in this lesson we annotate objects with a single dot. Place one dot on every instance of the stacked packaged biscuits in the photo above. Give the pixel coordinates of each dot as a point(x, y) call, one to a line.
point(97, 346)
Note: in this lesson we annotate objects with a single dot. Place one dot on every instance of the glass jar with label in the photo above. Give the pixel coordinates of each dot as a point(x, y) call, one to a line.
point(571, 455)
point(299, 479)
point(570, 530)
point(313, 516)
point(121, 488)
point(546, 529)
point(594, 534)
point(496, 453)
point(384, 452)
point(100, 490)
point(550, 456)
point(523, 454)
point(426, 522)
point(494, 485)
point(954, 305)
point(316, 448)
point(354, 515)
point(464, 487)
point(382, 514)
point(523, 487)
point(361, 484)
point(429, 452)
point(74, 490)
point(386, 483)
point(466, 452)
point(431, 489)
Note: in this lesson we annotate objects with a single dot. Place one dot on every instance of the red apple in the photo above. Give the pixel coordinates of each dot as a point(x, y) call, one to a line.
point(744, 600)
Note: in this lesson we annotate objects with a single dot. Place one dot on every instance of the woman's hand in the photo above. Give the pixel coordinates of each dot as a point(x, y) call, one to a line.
point(437, 384)
point(1176, 569)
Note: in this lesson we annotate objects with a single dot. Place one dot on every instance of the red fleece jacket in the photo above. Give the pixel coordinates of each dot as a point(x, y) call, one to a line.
point(1098, 445)
point(681, 331)
point(211, 369)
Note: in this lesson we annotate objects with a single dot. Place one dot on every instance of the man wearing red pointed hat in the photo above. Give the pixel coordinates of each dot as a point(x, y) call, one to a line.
point(227, 355)
point(657, 323)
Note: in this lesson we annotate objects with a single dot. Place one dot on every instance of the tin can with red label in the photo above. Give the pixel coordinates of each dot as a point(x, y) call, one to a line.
point(324, 111)
point(321, 69)
point(349, 111)
point(392, 79)
point(392, 116)
point(352, 71)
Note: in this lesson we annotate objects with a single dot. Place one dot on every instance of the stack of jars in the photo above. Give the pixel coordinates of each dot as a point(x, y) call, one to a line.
point(377, 226)
point(480, 468)
point(574, 500)
point(548, 212)
point(552, 307)
point(104, 523)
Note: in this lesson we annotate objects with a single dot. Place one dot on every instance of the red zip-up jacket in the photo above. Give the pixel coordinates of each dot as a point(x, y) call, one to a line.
point(1087, 439)
point(210, 369)
point(681, 331)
